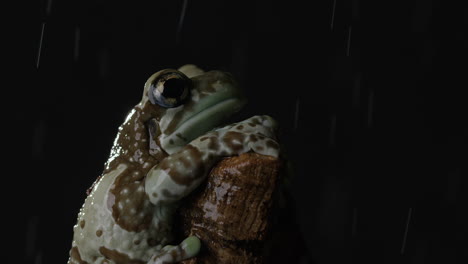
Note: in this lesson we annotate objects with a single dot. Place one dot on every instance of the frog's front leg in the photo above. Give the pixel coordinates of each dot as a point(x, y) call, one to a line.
point(180, 173)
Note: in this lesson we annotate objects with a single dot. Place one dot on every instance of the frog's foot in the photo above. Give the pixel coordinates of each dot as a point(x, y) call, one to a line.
point(171, 254)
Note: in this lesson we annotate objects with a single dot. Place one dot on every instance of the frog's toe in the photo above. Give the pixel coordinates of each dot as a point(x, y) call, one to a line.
point(191, 246)
point(171, 254)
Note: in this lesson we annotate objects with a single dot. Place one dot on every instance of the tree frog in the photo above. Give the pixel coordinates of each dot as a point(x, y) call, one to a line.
point(163, 150)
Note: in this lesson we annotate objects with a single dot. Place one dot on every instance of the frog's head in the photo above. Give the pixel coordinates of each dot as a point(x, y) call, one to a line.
point(190, 104)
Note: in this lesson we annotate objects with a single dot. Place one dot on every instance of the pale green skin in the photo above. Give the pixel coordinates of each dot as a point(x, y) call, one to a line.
point(180, 158)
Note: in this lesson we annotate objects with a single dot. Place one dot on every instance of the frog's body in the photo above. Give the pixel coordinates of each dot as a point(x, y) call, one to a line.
point(161, 154)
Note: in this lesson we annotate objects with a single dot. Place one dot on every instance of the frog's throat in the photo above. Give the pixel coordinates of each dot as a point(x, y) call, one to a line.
point(200, 123)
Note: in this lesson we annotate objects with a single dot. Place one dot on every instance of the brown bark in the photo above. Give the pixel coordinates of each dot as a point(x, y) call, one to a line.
point(232, 211)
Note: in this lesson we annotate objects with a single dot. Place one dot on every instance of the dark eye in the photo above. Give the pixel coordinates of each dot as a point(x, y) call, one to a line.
point(170, 89)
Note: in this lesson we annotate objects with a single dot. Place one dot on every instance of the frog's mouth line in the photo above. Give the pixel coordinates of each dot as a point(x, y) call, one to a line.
point(213, 116)
point(201, 122)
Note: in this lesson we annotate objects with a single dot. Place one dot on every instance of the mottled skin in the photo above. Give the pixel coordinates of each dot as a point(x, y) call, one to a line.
point(158, 157)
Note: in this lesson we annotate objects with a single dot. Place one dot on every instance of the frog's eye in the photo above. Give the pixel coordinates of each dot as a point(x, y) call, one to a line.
point(170, 89)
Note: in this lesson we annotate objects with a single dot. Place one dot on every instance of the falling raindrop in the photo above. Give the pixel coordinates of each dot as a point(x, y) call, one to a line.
point(348, 45)
point(403, 245)
point(39, 51)
point(181, 19)
point(333, 15)
point(76, 48)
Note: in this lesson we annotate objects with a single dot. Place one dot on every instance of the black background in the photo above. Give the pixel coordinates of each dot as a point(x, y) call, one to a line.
point(369, 97)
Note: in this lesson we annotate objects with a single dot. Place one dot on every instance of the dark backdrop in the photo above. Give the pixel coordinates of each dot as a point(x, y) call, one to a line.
point(369, 98)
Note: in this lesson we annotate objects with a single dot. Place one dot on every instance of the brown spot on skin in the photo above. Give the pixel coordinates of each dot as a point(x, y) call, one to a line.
point(213, 144)
point(174, 254)
point(137, 242)
point(240, 127)
point(75, 255)
point(185, 161)
point(253, 138)
point(251, 124)
point(99, 233)
point(131, 200)
point(234, 140)
point(171, 141)
point(154, 194)
point(214, 141)
point(260, 148)
point(204, 138)
point(196, 168)
point(118, 257)
point(82, 223)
